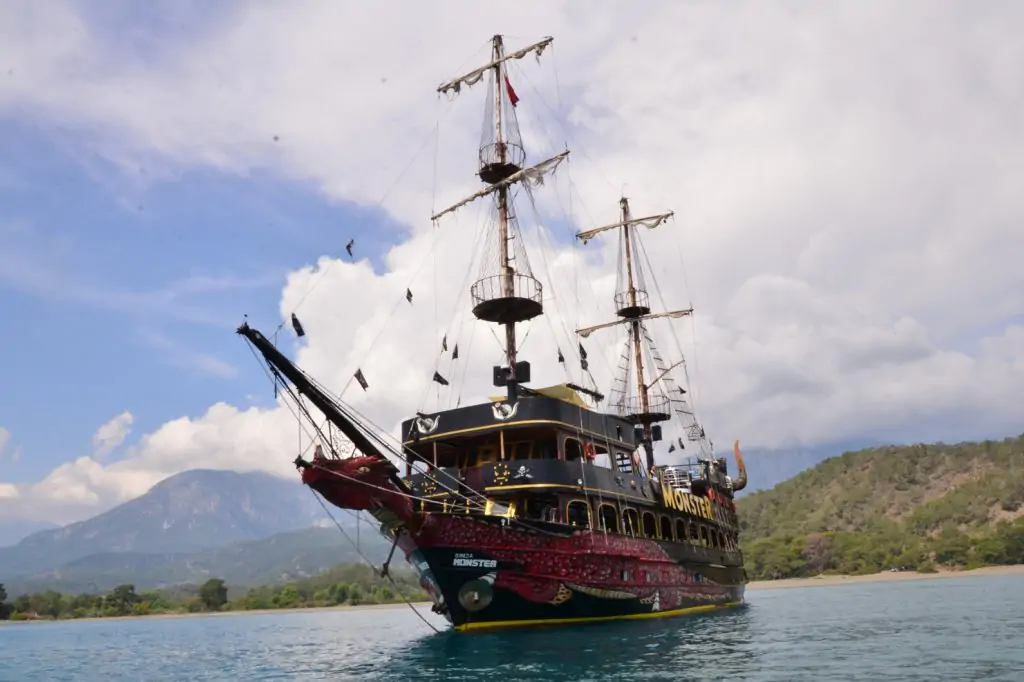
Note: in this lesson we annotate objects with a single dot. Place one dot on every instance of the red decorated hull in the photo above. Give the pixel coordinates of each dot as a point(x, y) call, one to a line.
point(486, 574)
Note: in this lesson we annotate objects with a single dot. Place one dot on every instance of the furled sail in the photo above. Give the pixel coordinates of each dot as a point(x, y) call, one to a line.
point(454, 86)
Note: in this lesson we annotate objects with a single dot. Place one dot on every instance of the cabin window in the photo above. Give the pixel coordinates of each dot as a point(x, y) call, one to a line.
point(630, 522)
point(578, 514)
point(608, 518)
point(704, 535)
point(486, 453)
point(694, 535)
point(680, 530)
point(520, 450)
point(721, 540)
point(541, 508)
point(545, 448)
point(623, 462)
point(666, 527)
point(573, 450)
point(467, 459)
point(650, 525)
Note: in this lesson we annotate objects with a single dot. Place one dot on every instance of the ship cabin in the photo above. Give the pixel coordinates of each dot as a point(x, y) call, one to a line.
point(549, 459)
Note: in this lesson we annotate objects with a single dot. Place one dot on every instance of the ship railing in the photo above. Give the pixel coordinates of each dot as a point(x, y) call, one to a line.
point(495, 287)
point(680, 475)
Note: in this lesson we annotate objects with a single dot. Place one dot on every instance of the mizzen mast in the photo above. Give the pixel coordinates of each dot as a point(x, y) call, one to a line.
point(511, 294)
point(632, 305)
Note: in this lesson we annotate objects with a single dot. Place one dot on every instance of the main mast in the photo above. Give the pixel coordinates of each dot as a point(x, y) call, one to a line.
point(632, 304)
point(507, 287)
point(510, 295)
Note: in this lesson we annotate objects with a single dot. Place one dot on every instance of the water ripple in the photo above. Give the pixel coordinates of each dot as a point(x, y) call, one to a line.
point(957, 629)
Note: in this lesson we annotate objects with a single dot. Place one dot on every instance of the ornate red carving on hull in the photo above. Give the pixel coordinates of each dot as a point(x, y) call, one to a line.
point(605, 566)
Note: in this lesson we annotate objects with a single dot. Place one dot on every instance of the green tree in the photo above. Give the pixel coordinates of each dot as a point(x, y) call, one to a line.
point(5, 610)
point(213, 594)
point(121, 600)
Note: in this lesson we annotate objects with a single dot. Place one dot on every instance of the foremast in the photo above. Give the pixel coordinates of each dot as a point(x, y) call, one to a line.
point(511, 294)
point(632, 305)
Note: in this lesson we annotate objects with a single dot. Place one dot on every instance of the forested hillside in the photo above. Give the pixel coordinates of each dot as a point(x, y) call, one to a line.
point(915, 507)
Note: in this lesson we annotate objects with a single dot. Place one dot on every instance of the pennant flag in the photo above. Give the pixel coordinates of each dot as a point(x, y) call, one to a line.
point(455, 352)
point(681, 446)
point(682, 390)
point(583, 352)
point(361, 379)
point(444, 343)
point(440, 379)
point(561, 358)
point(672, 447)
point(513, 98)
point(408, 295)
point(348, 247)
point(297, 326)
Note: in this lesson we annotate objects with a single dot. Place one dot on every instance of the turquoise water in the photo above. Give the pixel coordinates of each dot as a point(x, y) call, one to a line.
point(953, 629)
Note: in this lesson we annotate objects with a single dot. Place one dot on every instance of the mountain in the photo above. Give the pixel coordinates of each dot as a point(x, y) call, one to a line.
point(281, 558)
point(186, 513)
point(12, 532)
point(895, 506)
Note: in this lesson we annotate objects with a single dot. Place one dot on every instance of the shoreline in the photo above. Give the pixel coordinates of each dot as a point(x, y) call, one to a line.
point(884, 577)
point(216, 614)
point(754, 586)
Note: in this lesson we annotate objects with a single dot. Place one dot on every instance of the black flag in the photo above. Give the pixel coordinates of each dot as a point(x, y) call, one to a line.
point(440, 379)
point(348, 247)
point(583, 352)
point(672, 447)
point(681, 446)
point(561, 358)
point(297, 326)
point(444, 343)
point(455, 352)
point(408, 295)
point(361, 379)
point(682, 390)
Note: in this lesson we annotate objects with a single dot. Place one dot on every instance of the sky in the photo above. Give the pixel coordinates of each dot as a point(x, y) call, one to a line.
point(845, 179)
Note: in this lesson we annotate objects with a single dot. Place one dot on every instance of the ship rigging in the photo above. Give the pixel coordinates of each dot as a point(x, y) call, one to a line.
point(535, 507)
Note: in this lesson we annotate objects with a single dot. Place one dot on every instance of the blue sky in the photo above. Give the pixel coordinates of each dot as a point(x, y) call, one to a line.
point(164, 171)
point(122, 293)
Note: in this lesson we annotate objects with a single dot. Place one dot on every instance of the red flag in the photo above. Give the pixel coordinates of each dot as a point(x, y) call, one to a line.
point(513, 98)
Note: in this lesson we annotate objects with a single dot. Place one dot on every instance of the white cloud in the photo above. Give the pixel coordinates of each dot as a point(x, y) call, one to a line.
point(846, 181)
point(5, 437)
point(110, 436)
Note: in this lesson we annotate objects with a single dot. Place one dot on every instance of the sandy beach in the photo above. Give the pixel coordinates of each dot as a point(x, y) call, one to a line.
point(832, 580)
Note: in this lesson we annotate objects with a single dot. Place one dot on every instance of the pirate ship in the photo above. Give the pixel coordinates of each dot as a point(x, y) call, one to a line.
point(542, 505)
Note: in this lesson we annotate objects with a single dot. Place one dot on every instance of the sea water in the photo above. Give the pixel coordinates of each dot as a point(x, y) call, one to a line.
point(953, 629)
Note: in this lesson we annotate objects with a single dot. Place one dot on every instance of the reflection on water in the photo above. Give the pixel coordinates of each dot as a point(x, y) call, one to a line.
point(956, 629)
point(643, 648)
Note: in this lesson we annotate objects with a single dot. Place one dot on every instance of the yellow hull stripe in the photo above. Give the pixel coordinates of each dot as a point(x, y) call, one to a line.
point(495, 624)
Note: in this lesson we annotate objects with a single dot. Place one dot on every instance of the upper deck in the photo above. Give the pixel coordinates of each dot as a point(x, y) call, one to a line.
point(540, 413)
